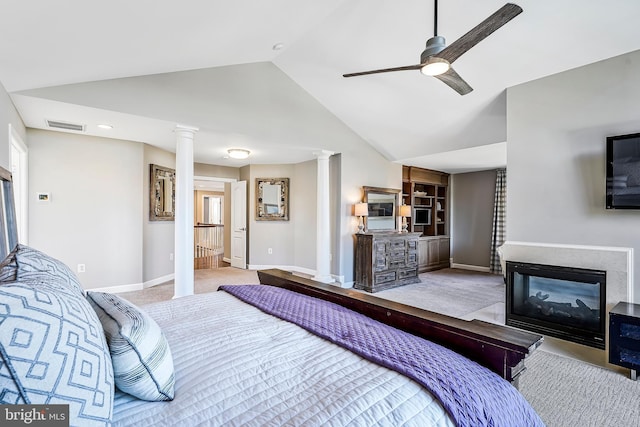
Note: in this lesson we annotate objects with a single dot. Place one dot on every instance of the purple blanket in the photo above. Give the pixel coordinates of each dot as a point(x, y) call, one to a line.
point(471, 394)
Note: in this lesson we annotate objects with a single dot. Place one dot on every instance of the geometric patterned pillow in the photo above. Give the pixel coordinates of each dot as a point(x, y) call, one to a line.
point(53, 351)
point(25, 263)
point(142, 361)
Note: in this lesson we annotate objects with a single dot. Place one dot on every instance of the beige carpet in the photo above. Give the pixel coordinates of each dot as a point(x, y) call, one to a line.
point(568, 393)
point(204, 281)
point(450, 291)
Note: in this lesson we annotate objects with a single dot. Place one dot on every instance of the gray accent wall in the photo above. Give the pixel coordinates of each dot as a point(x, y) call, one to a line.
point(556, 131)
point(277, 235)
point(158, 236)
point(472, 197)
point(93, 216)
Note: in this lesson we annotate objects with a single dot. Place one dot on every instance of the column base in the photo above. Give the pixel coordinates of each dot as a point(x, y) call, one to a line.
point(323, 279)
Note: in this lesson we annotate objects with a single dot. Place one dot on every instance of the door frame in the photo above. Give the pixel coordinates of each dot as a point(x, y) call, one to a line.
point(227, 236)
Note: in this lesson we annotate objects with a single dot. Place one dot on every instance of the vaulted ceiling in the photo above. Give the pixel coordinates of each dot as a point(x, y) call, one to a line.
point(143, 66)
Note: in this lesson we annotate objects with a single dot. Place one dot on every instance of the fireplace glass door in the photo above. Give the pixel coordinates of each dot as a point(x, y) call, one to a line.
point(564, 302)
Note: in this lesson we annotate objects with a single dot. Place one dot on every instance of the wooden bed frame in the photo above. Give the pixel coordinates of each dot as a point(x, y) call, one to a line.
point(499, 348)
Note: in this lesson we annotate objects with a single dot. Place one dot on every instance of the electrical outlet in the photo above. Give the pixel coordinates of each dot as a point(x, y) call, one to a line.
point(81, 268)
point(171, 256)
point(270, 251)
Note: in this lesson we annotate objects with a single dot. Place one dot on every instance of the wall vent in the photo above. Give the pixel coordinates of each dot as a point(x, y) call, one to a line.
point(65, 125)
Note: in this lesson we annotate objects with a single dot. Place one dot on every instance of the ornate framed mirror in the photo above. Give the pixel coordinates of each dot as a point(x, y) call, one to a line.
point(162, 194)
point(382, 206)
point(272, 199)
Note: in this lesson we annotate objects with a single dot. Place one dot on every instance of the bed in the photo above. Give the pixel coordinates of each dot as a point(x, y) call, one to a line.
point(287, 351)
point(247, 355)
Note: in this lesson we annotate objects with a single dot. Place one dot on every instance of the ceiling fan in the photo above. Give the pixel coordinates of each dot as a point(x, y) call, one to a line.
point(437, 58)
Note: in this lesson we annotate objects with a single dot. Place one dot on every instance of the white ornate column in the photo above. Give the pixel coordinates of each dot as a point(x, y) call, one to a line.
point(183, 281)
point(323, 236)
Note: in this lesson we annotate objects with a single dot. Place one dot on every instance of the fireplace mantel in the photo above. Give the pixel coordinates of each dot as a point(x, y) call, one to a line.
point(616, 261)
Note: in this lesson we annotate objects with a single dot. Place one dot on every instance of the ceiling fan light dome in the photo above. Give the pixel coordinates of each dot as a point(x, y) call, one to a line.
point(435, 67)
point(434, 46)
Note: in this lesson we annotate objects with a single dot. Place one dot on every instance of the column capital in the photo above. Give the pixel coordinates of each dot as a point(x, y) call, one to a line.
point(323, 154)
point(186, 129)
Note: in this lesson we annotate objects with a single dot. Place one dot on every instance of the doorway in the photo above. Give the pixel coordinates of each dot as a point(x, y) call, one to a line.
point(214, 240)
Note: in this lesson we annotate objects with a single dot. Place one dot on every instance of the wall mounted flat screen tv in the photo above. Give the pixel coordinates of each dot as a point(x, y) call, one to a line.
point(623, 172)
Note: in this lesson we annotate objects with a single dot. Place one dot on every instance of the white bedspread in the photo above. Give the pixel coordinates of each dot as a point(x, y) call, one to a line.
point(237, 366)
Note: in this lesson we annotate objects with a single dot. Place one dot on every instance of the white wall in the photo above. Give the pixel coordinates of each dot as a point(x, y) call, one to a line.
point(8, 115)
point(94, 214)
point(556, 130)
point(360, 166)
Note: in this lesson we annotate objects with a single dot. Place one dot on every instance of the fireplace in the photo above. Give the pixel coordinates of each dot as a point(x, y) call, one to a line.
point(562, 302)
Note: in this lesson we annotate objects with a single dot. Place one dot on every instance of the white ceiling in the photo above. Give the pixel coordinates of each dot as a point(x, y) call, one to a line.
point(145, 65)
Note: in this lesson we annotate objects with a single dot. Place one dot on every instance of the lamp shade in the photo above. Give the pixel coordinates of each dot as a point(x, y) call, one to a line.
point(361, 209)
point(405, 211)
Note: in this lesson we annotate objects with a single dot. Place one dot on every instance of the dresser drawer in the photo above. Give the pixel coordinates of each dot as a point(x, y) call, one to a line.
point(398, 255)
point(381, 247)
point(408, 272)
point(412, 258)
point(381, 262)
point(387, 276)
point(397, 245)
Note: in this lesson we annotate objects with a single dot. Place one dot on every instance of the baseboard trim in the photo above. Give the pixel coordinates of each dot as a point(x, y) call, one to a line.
point(118, 289)
point(134, 286)
point(158, 281)
point(471, 267)
point(339, 280)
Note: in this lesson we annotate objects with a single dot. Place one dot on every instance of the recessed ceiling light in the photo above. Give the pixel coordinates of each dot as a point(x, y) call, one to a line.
point(278, 46)
point(238, 153)
point(105, 126)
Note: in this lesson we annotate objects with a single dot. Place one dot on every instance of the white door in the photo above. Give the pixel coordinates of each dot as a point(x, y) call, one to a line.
point(239, 224)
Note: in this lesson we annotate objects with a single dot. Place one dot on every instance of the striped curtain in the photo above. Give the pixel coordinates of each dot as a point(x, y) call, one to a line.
point(499, 220)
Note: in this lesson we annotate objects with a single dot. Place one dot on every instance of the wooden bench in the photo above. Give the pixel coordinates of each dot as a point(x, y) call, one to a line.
point(499, 348)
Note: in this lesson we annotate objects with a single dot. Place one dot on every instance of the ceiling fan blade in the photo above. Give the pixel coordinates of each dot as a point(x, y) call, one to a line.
point(503, 15)
point(384, 70)
point(455, 82)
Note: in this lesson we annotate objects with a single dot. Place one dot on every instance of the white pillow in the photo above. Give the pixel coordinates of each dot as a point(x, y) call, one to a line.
point(53, 350)
point(142, 361)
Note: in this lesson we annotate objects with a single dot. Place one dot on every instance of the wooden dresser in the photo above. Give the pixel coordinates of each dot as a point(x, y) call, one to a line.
point(385, 260)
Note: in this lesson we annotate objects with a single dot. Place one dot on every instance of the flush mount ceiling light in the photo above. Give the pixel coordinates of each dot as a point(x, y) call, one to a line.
point(238, 153)
point(105, 126)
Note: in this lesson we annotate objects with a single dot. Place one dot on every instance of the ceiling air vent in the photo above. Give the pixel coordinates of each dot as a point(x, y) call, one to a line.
point(65, 125)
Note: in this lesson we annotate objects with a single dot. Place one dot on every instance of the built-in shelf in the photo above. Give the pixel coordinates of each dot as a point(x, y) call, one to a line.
point(426, 192)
